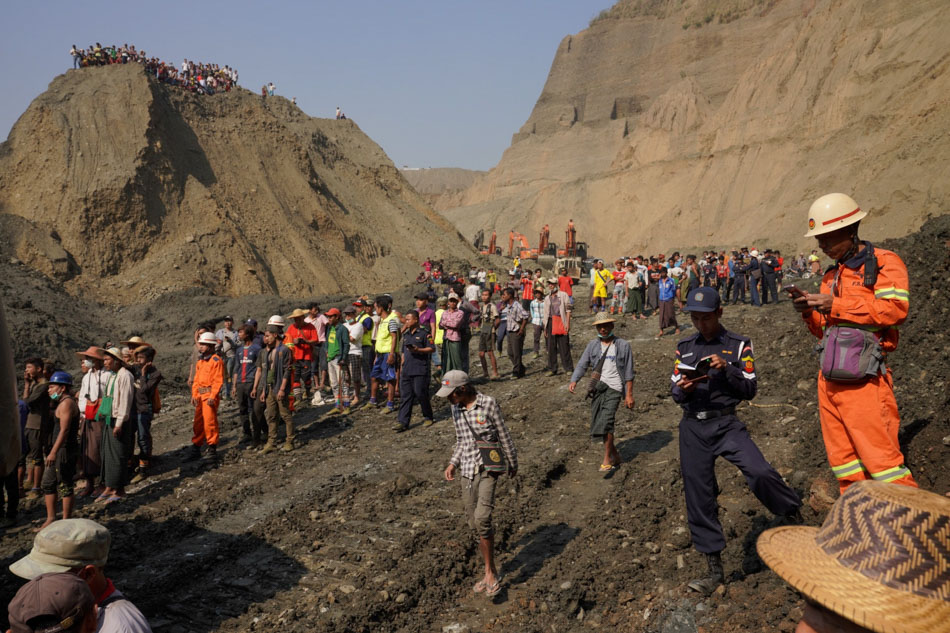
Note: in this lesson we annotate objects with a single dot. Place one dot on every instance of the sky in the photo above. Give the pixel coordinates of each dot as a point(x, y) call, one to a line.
point(437, 83)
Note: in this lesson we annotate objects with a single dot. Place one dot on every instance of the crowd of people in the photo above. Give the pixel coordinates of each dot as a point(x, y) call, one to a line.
point(369, 355)
point(197, 77)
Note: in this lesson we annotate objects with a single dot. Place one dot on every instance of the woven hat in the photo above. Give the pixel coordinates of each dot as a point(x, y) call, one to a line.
point(603, 317)
point(880, 559)
point(134, 342)
point(115, 353)
point(299, 312)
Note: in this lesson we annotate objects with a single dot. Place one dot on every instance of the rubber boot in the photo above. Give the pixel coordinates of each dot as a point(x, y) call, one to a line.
point(212, 454)
point(715, 578)
point(193, 454)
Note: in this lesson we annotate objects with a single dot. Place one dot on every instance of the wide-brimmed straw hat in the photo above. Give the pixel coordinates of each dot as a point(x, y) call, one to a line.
point(880, 559)
point(135, 342)
point(299, 312)
point(603, 317)
point(92, 352)
point(114, 353)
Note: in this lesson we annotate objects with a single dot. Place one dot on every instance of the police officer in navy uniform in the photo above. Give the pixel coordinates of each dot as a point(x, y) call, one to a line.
point(769, 265)
point(723, 376)
point(417, 347)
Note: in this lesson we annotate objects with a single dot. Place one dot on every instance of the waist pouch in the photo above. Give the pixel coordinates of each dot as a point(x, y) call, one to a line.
point(849, 354)
point(492, 460)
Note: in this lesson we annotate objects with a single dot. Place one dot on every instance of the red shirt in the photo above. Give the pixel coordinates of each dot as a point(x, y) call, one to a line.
point(307, 332)
point(527, 288)
point(564, 284)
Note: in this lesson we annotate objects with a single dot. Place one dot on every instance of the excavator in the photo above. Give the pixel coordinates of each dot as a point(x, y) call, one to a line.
point(490, 249)
point(525, 252)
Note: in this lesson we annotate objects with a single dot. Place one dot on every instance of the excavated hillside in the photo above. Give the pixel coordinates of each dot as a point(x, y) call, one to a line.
point(127, 189)
point(716, 123)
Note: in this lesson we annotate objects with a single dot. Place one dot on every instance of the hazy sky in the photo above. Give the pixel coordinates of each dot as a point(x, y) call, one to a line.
point(437, 83)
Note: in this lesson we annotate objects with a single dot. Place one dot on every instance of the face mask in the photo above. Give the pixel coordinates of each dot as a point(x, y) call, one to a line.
point(88, 364)
point(608, 335)
point(55, 396)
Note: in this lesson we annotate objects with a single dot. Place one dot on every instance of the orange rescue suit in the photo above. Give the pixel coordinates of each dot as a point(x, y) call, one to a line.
point(206, 390)
point(859, 421)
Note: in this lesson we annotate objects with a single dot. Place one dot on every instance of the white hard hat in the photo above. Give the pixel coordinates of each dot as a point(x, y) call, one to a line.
point(208, 338)
point(832, 212)
point(276, 320)
point(754, 253)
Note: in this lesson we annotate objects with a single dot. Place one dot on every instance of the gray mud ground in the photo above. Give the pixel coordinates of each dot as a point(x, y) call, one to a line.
point(356, 530)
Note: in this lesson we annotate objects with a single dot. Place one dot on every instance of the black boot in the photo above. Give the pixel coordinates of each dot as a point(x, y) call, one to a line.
point(212, 454)
point(715, 578)
point(193, 454)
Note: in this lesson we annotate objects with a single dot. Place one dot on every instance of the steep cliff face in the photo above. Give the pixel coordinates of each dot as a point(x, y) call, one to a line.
point(129, 189)
point(710, 124)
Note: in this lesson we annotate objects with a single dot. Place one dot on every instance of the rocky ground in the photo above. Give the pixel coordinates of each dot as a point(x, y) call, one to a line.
point(356, 530)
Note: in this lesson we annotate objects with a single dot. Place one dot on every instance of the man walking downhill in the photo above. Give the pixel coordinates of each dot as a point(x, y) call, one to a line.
point(611, 361)
point(714, 372)
point(478, 421)
point(556, 321)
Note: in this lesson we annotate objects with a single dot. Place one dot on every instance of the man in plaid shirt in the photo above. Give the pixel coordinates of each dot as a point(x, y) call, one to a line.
point(477, 417)
point(517, 324)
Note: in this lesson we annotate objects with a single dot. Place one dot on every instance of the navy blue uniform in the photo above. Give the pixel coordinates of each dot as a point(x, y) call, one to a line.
point(415, 375)
point(710, 429)
point(753, 282)
point(769, 277)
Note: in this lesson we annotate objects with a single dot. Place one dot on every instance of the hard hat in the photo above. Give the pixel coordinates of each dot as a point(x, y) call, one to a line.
point(61, 378)
point(207, 338)
point(832, 212)
point(754, 253)
point(276, 320)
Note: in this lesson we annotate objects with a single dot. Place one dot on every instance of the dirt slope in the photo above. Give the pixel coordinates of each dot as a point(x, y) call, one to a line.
point(693, 132)
point(441, 186)
point(357, 531)
point(129, 189)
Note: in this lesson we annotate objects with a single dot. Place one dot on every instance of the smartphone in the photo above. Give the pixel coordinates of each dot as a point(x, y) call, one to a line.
point(794, 290)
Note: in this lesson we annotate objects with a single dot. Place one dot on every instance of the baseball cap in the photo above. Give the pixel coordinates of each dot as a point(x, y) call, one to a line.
point(332, 312)
point(450, 381)
point(361, 303)
point(422, 296)
point(64, 545)
point(349, 310)
point(703, 300)
point(57, 601)
point(229, 318)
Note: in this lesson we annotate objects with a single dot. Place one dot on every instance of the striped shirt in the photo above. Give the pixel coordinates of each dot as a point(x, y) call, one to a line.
point(516, 314)
point(484, 419)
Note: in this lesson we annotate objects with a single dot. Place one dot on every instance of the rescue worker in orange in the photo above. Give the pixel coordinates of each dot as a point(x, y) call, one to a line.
point(864, 297)
point(205, 397)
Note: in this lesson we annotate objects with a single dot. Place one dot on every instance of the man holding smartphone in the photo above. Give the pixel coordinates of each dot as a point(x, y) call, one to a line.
point(724, 375)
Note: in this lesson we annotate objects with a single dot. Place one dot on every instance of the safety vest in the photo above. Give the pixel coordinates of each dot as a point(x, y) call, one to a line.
point(367, 339)
point(384, 338)
point(439, 332)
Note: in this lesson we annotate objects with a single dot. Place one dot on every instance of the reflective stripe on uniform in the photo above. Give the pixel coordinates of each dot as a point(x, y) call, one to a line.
point(892, 293)
point(846, 470)
point(891, 474)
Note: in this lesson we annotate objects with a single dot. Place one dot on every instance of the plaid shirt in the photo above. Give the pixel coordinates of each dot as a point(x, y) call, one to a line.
point(485, 420)
point(516, 314)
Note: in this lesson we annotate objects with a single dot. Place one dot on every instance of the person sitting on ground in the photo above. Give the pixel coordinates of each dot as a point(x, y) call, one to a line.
point(53, 603)
point(878, 563)
point(81, 548)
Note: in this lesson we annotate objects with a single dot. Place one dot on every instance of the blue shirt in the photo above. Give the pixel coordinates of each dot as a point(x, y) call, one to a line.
point(667, 289)
point(245, 361)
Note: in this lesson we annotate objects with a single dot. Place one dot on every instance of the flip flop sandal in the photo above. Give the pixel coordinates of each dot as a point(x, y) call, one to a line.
point(606, 468)
point(113, 499)
point(480, 586)
point(101, 498)
point(493, 589)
